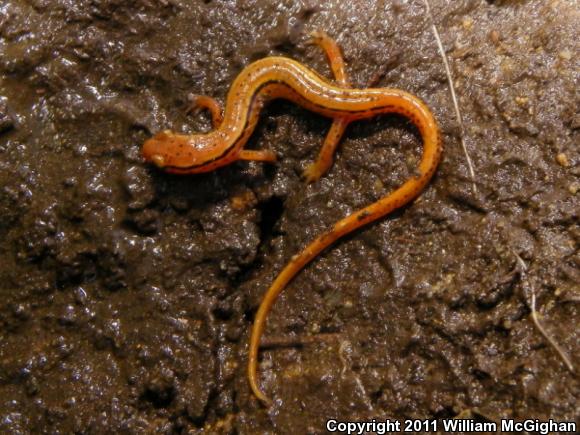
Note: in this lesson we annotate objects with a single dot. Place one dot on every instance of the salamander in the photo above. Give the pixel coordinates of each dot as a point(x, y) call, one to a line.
point(281, 77)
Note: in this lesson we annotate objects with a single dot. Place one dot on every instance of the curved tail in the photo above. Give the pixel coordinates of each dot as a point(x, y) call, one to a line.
point(421, 116)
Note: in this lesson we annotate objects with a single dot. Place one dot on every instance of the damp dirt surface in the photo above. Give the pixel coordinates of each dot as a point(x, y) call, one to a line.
point(127, 294)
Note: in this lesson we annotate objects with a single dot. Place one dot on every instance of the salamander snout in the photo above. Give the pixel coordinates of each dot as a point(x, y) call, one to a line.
point(168, 149)
point(179, 153)
point(155, 149)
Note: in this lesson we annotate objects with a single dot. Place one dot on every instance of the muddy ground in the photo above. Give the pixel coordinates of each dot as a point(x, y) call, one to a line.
point(127, 294)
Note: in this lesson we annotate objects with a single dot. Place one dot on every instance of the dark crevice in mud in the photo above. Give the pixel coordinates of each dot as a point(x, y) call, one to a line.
point(200, 420)
point(501, 291)
point(271, 211)
point(223, 312)
point(159, 398)
point(480, 375)
point(444, 413)
point(249, 314)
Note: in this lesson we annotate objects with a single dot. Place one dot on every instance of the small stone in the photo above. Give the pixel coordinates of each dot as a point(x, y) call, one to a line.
point(562, 160)
point(565, 54)
point(522, 100)
point(244, 200)
point(574, 188)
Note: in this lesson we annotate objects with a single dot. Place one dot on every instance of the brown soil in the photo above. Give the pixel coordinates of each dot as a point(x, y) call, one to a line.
point(128, 294)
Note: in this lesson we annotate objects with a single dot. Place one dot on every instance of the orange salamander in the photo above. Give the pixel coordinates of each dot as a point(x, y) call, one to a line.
point(280, 77)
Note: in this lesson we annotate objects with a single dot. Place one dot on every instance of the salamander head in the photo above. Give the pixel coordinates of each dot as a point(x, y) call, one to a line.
point(177, 152)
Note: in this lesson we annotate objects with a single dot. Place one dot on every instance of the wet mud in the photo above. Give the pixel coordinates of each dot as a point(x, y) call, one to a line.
point(127, 294)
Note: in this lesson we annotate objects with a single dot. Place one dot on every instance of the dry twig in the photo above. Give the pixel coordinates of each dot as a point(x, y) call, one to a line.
point(536, 317)
point(453, 95)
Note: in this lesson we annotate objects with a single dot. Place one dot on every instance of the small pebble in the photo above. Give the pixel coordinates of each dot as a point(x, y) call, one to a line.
point(565, 54)
point(574, 188)
point(244, 200)
point(522, 100)
point(562, 160)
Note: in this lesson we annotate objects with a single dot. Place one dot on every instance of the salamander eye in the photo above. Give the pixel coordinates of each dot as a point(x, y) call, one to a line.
point(158, 160)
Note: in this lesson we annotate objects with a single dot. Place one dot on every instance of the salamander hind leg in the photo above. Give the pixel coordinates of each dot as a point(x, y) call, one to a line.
point(333, 54)
point(324, 160)
point(208, 103)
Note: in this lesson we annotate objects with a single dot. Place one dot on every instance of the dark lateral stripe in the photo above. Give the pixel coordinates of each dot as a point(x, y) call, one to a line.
point(235, 142)
point(374, 111)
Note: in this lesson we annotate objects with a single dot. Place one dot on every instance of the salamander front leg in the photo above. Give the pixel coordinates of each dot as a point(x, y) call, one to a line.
point(208, 103)
point(326, 156)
